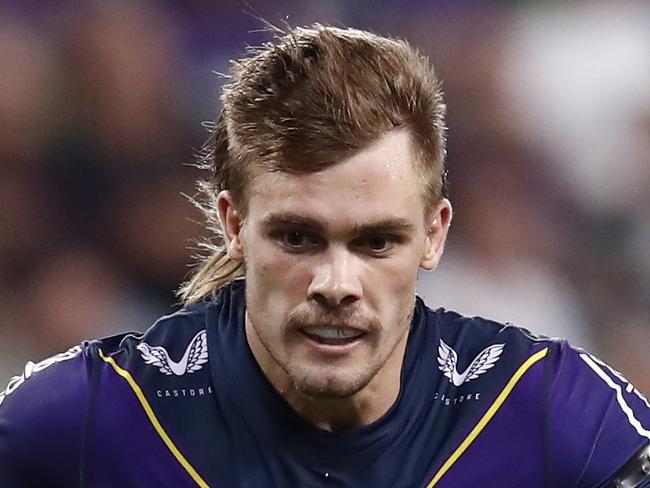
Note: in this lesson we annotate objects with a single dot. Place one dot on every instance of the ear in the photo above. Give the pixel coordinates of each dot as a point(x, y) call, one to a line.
point(438, 223)
point(231, 223)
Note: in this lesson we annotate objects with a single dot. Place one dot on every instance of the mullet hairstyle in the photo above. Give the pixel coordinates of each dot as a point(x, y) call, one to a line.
point(301, 104)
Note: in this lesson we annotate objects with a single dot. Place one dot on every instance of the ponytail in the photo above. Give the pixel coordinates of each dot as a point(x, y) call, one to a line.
point(213, 273)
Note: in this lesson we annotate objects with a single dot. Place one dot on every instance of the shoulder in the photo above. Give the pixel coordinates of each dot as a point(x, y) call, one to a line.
point(468, 336)
point(169, 338)
point(171, 359)
point(500, 364)
point(591, 419)
point(597, 420)
point(42, 411)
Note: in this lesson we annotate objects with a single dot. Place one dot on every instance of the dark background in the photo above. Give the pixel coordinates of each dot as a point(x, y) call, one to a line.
point(101, 105)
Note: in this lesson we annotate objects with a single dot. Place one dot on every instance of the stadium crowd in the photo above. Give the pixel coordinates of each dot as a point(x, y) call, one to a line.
point(101, 107)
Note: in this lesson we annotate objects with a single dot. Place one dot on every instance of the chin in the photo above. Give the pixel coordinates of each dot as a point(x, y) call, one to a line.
point(328, 384)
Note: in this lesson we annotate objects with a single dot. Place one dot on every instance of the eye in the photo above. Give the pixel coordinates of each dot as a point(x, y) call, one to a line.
point(295, 240)
point(378, 244)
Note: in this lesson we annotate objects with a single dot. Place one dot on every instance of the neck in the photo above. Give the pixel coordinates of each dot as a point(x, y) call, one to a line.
point(332, 413)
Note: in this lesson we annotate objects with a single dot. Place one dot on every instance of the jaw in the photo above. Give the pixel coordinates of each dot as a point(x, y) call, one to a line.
point(372, 391)
point(334, 392)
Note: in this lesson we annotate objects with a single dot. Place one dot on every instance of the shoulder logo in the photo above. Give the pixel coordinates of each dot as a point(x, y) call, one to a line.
point(486, 359)
point(195, 356)
point(31, 368)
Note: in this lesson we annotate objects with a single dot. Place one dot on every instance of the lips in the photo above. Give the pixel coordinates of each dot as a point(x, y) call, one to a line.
point(332, 335)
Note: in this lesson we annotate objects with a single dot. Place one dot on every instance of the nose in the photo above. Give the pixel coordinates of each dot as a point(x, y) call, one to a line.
point(336, 279)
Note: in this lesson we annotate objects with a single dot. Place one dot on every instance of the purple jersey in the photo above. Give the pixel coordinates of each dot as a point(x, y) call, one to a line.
point(185, 404)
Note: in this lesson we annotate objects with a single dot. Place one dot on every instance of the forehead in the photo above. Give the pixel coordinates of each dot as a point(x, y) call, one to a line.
point(380, 182)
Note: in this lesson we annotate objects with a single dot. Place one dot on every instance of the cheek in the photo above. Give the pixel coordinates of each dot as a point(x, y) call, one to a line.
point(279, 269)
point(390, 287)
point(276, 276)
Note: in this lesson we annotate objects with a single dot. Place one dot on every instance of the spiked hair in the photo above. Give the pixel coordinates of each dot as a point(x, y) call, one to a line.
point(308, 101)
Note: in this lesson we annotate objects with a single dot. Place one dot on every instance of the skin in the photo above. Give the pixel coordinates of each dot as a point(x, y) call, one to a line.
point(340, 247)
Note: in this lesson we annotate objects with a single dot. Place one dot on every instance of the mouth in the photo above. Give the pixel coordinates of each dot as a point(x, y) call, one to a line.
point(333, 336)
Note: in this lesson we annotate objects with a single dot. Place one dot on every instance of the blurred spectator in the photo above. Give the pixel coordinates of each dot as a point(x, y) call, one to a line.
point(80, 291)
point(507, 243)
point(578, 77)
point(549, 158)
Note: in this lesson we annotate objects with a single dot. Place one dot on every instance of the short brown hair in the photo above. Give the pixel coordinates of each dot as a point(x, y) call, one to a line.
point(310, 100)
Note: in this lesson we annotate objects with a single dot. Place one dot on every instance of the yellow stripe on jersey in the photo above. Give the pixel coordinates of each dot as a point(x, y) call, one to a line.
point(487, 416)
point(154, 420)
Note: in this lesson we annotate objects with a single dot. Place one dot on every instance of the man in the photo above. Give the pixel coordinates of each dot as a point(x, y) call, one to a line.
point(303, 357)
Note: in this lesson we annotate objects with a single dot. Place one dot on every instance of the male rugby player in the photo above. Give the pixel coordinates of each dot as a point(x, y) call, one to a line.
point(302, 357)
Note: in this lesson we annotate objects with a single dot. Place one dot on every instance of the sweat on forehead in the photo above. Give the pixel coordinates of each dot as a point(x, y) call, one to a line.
point(384, 160)
point(378, 188)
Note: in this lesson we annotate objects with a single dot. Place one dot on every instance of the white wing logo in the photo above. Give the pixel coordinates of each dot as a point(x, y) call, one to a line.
point(486, 359)
point(195, 356)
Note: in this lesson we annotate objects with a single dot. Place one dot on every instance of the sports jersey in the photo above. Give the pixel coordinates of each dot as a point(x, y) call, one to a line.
point(185, 404)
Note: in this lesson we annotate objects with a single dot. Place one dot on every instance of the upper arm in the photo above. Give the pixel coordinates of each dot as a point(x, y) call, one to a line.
point(42, 416)
point(596, 420)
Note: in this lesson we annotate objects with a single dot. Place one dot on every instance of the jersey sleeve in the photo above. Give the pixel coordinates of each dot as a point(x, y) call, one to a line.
point(42, 415)
point(595, 419)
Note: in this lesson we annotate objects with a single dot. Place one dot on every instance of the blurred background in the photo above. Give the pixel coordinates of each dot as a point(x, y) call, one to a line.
point(101, 105)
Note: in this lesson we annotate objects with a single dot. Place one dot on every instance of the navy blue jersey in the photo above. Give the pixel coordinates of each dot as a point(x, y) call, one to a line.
point(185, 404)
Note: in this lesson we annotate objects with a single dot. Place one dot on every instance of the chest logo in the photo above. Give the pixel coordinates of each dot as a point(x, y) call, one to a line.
point(195, 356)
point(486, 359)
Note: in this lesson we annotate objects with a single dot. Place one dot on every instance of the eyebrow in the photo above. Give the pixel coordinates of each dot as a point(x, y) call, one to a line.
point(385, 226)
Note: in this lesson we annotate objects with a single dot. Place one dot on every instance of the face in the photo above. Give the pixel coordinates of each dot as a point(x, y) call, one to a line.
point(331, 265)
